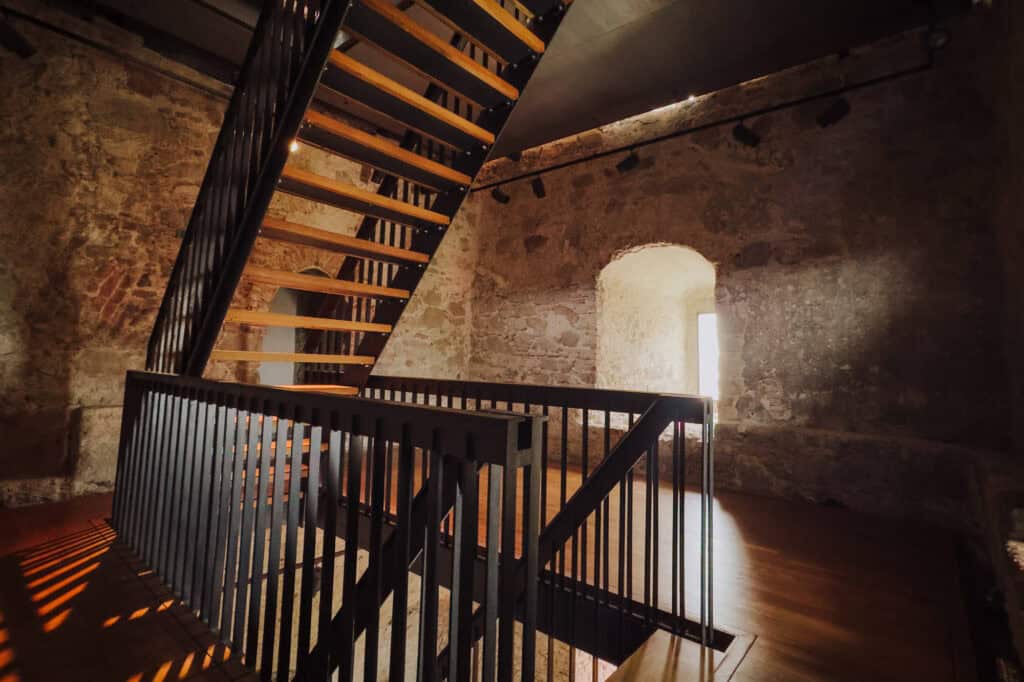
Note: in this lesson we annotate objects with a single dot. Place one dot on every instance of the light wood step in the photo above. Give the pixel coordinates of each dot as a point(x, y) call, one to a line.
point(283, 230)
point(320, 285)
point(362, 147)
point(343, 195)
point(257, 318)
point(382, 24)
point(333, 389)
point(375, 90)
point(489, 25)
point(270, 356)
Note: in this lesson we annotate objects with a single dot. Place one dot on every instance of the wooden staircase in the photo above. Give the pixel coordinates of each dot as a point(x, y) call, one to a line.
point(476, 56)
point(302, 84)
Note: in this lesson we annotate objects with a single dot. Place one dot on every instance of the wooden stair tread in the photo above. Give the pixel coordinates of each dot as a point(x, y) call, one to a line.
point(336, 389)
point(396, 90)
point(382, 24)
point(283, 230)
point(261, 319)
point(274, 356)
point(346, 196)
point(489, 24)
point(369, 149)
point(320, 285)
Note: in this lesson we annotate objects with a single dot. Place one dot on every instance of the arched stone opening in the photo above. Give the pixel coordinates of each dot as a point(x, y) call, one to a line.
point(288, 339)
point(656, 325)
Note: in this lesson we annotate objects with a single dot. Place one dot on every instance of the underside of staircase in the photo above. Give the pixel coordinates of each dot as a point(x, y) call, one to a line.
point(302, 86)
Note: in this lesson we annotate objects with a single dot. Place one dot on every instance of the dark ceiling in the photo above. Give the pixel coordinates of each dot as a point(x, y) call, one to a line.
point(611, 58)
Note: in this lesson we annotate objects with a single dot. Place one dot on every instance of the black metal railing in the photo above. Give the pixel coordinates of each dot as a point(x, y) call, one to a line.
point(289, 48)
point(235, 496)
point(628, 480)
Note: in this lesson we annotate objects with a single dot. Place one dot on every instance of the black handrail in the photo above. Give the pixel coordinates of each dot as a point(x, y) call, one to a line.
point(289, 48)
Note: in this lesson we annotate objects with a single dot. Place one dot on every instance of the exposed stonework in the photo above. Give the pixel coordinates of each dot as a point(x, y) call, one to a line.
point(859, 309)
point(102, 160)
point(103, 157)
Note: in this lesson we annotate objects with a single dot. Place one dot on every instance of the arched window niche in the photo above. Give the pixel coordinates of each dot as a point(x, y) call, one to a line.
point(656, 324)
point(287, 339)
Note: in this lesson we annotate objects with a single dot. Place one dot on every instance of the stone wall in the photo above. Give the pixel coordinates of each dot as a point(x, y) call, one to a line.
point(101, 162)
point(859, 301)
point(102, 151)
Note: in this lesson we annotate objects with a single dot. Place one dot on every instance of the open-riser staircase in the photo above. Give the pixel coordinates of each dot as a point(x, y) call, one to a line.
point(199, 495)
point(297, 86)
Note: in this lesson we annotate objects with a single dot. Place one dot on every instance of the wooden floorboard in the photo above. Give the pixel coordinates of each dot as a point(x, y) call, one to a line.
point(828, 594)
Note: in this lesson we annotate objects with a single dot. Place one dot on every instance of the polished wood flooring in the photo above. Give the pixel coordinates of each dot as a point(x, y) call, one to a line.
point(827, 595)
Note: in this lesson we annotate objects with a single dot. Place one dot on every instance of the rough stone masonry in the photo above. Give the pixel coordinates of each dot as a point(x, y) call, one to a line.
point(859, 291)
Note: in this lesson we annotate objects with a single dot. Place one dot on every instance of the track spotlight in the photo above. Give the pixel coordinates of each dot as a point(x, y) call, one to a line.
point(12, 40)
point(745, 135)
point(937, 37)
point(835, 113)
point(538, 188)
point(500, 196)
point(628, 163)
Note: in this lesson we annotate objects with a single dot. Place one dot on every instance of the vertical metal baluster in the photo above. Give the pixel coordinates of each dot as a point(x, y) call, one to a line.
point(309, 528)
point(677, 499)
point(208, 422)
point(356, 451)
point(506, 568)
point(274, 550)
point(464, 561)
point(267, 445)
point(330, 533)
point(495, 474)
point(246, 539)
point(375, 570)
point(531, 549)
point(427, 667)
point(400, 599)
point(237, 504)
point(218, 499)
point(186, 542)
point(290, 545)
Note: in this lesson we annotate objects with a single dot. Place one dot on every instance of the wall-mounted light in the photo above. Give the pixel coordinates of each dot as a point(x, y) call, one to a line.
point(745, 136)
point(538, 188)
point(500, 196)
point(628, 163)
point(294, 146)
point(835, 113)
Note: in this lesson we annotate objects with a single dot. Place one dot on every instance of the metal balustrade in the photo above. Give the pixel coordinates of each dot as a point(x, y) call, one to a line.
point(285, 521)
point(616, 552)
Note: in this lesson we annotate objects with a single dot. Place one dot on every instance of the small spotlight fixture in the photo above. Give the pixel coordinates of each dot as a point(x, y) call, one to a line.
point(294, 146)
point(628, 163)
point(937, 37)
point(500, 196)
point(745, 135)
point(835, 113)
point(691, 99)
point(538, 188)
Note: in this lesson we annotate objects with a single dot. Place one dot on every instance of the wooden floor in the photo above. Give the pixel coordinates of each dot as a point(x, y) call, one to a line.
point(828, 595)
